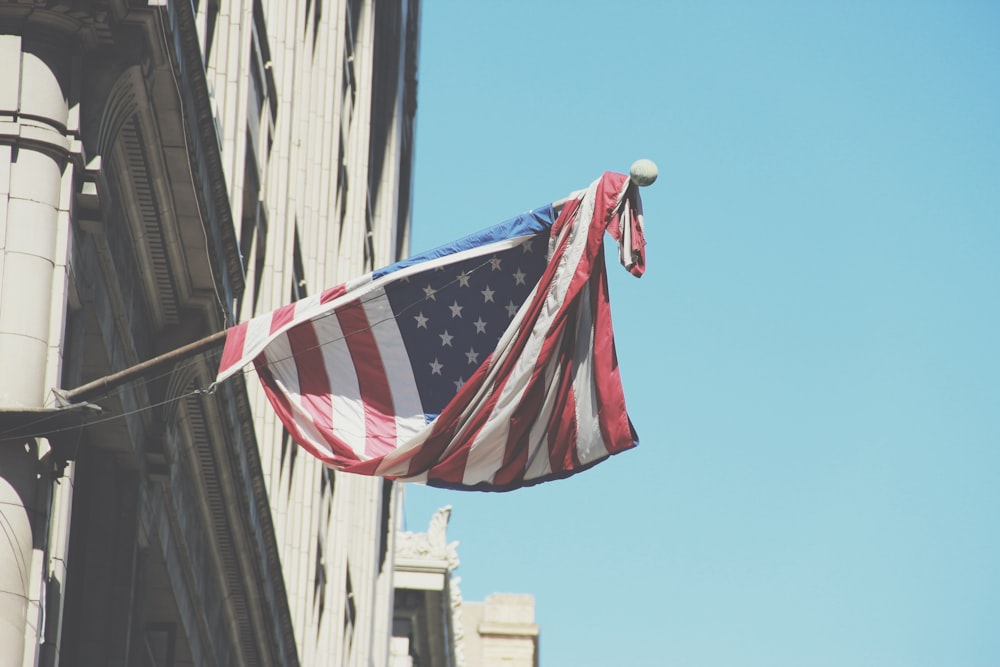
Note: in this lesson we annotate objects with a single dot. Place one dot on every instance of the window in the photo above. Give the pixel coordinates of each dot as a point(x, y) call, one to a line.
point(350, 616)
point(211, 17)
point(319, 583)
point(299, 290)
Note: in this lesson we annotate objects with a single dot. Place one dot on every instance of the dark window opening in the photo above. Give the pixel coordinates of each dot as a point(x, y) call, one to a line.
point(383, 538)
point(299, 290)
point(211, 18)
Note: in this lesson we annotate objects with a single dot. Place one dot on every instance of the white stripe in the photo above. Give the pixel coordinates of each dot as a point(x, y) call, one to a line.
point(403, 386)
point(348, 413)
point(589, 440)
point(353, 285)
point(258, 333)
point(306, 307)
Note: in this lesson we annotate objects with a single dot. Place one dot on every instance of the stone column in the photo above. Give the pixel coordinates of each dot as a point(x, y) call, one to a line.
point(34, 150)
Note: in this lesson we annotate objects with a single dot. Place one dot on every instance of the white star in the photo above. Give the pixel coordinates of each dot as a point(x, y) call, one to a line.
point(421, 320)
point(487, 294)
point(519, 277)
point(429, 293)
point(436, 367)
point(495, 263)
point(527, 247)
point(472, 356)
point(511, 308)
point(459, 383)
point(456, 310)
point(480, 326)
point(445, 338)
point(463, 279)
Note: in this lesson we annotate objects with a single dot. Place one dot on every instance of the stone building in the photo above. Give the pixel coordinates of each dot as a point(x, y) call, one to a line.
point(501, 631)
point(434, 626)
point(168, 168)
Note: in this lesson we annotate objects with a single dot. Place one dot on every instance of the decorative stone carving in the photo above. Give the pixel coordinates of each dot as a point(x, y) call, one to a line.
point(432, 545)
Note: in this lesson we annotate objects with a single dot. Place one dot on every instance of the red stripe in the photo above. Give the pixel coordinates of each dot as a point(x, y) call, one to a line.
point(565, 217)
point(233, 352)
point(515, 458)
point(332, 293)
point(314, 386)
point(282, 316)
point(614, 422)
point(451, 469)
point(376, 395)
point(562, 433)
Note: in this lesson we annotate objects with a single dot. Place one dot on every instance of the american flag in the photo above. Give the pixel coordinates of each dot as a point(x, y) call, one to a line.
point(487, 363)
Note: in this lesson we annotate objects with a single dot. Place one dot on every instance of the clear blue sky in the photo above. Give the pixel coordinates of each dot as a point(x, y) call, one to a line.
point(811, 360)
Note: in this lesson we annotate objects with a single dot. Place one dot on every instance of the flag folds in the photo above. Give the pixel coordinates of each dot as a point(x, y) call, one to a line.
point(488, 363)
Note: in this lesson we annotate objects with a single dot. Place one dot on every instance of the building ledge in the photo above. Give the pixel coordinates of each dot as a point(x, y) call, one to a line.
point(509, 629)
point(60, 426)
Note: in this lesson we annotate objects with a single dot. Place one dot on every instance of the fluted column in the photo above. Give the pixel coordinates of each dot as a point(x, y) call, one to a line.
point(34, 150)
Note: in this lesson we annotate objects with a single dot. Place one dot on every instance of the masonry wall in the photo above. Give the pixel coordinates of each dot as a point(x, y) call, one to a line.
point(166, 170)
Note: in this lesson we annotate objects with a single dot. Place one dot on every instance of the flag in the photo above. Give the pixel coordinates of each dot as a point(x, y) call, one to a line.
point(488, 363)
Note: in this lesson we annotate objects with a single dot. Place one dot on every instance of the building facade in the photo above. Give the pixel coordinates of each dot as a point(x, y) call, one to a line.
point(169, 168)
point(434, 625)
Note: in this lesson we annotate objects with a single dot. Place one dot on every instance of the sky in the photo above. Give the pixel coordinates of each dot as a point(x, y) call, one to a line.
point(811, 360)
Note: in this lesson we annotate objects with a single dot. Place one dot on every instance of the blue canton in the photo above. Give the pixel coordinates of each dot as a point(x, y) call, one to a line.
point(451, 318)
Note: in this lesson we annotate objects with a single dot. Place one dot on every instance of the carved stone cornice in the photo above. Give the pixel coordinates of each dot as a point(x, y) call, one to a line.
point(205, 152)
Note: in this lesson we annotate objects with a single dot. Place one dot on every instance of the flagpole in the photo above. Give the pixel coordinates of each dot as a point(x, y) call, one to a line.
point(642, 172)
point(108, 382)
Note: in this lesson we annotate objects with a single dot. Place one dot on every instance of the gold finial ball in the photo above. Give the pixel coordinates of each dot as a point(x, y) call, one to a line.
point(643, 172)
